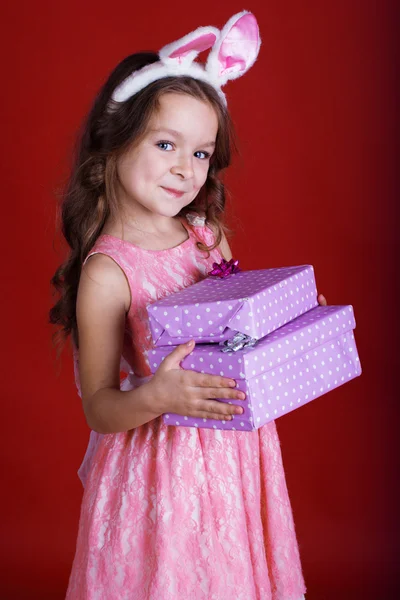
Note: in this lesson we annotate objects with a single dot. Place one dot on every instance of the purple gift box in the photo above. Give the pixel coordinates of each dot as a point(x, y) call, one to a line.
point(304, 359)
point(254, 303)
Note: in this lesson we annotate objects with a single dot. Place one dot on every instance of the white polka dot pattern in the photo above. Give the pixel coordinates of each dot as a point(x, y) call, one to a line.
point(252, 302)
point(299, 362)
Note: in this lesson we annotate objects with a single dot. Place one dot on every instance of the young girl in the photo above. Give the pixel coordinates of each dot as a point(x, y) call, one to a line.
point(168, 513)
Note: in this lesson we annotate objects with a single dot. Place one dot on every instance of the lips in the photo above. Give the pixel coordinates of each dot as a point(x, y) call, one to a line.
point(174, 192)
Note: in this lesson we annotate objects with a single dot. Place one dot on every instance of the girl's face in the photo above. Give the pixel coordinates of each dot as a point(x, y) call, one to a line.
point(166, 170)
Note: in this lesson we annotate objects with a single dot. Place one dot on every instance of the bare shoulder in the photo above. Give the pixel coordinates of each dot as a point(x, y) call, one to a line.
point(102, 303)
point(224, 247)
point(103, 281)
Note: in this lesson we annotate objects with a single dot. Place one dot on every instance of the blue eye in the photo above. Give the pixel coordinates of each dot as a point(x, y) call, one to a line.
point(162, 146)
point(205, 155)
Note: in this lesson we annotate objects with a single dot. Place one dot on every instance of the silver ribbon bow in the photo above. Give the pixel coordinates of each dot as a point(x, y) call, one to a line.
point(239, 341)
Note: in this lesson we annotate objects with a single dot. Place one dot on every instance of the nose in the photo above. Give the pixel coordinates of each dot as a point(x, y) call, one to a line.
point(183, 167)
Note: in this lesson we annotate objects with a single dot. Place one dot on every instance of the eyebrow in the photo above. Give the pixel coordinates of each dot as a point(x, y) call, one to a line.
point(179, 135)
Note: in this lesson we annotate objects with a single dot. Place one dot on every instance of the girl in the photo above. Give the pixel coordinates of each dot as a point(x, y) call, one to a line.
point(168, 513)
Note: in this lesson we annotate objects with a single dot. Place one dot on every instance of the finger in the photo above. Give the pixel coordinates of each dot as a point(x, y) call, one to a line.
point(218, 408)
point(212, 415)
point(173, 360)
point(211, 381)
point(322, 300)
point(207, 416)
point(204, 392)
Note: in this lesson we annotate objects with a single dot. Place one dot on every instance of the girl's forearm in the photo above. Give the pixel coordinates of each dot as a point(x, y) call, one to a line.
point(112, 411)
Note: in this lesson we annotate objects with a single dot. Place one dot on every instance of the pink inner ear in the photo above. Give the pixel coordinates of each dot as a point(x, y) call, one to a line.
point(201, 43)
point(240, 45)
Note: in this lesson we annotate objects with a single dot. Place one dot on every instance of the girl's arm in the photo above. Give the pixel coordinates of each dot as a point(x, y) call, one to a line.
point(224, 248)
point(102, 304)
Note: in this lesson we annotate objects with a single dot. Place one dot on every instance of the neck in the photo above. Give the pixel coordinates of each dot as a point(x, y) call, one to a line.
point(160, 227)
point(133, 215)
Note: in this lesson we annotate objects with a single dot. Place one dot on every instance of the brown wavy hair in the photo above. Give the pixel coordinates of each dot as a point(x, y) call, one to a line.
point(90, 199)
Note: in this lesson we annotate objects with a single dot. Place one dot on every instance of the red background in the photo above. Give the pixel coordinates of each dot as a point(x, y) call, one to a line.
point(315, 183)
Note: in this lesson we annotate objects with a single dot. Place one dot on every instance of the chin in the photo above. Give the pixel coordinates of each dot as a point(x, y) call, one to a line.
point(168, 211)
point(172, 209)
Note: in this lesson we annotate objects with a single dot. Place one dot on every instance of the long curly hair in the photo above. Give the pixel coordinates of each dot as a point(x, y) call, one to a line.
point(90, 197)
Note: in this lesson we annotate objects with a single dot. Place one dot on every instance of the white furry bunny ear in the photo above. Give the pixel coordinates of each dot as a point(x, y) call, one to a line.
point(236, 49)
point(185, 50)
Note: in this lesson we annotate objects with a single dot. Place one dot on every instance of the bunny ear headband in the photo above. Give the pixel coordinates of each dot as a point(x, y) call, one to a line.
point(234, 51)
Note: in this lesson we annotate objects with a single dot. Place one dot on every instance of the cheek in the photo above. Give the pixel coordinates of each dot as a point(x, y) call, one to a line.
point(132, 178)
point(153, 166)
point(141, 172)
point(201, 174)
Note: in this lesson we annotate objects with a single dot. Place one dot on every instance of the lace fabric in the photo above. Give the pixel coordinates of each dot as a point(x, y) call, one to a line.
point(175, 513)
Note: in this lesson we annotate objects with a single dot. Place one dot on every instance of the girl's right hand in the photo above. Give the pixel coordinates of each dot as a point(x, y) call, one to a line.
point(191, 394)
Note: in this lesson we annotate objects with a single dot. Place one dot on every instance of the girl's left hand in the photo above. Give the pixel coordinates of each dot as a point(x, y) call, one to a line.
point(322, 300)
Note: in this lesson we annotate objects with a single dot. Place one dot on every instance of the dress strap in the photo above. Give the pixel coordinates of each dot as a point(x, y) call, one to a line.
point(197, 226)
point(109, 246)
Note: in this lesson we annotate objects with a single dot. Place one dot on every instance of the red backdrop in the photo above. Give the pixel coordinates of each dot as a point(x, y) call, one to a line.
point(315, 183)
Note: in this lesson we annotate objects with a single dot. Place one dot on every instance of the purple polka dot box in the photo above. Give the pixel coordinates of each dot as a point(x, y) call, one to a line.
point(302, 360)
point(254, 303)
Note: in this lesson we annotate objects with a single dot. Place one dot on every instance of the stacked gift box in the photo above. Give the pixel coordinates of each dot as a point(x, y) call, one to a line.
point(264, 329)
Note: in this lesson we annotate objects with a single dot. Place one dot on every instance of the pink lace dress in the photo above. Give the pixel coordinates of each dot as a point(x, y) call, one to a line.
point(179, 513)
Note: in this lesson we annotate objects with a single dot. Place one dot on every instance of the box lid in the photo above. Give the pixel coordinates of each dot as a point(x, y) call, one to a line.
point(301, 336)
point(252, 302)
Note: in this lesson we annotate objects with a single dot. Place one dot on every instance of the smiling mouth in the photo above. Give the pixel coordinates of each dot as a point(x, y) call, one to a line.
point(173, 192)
